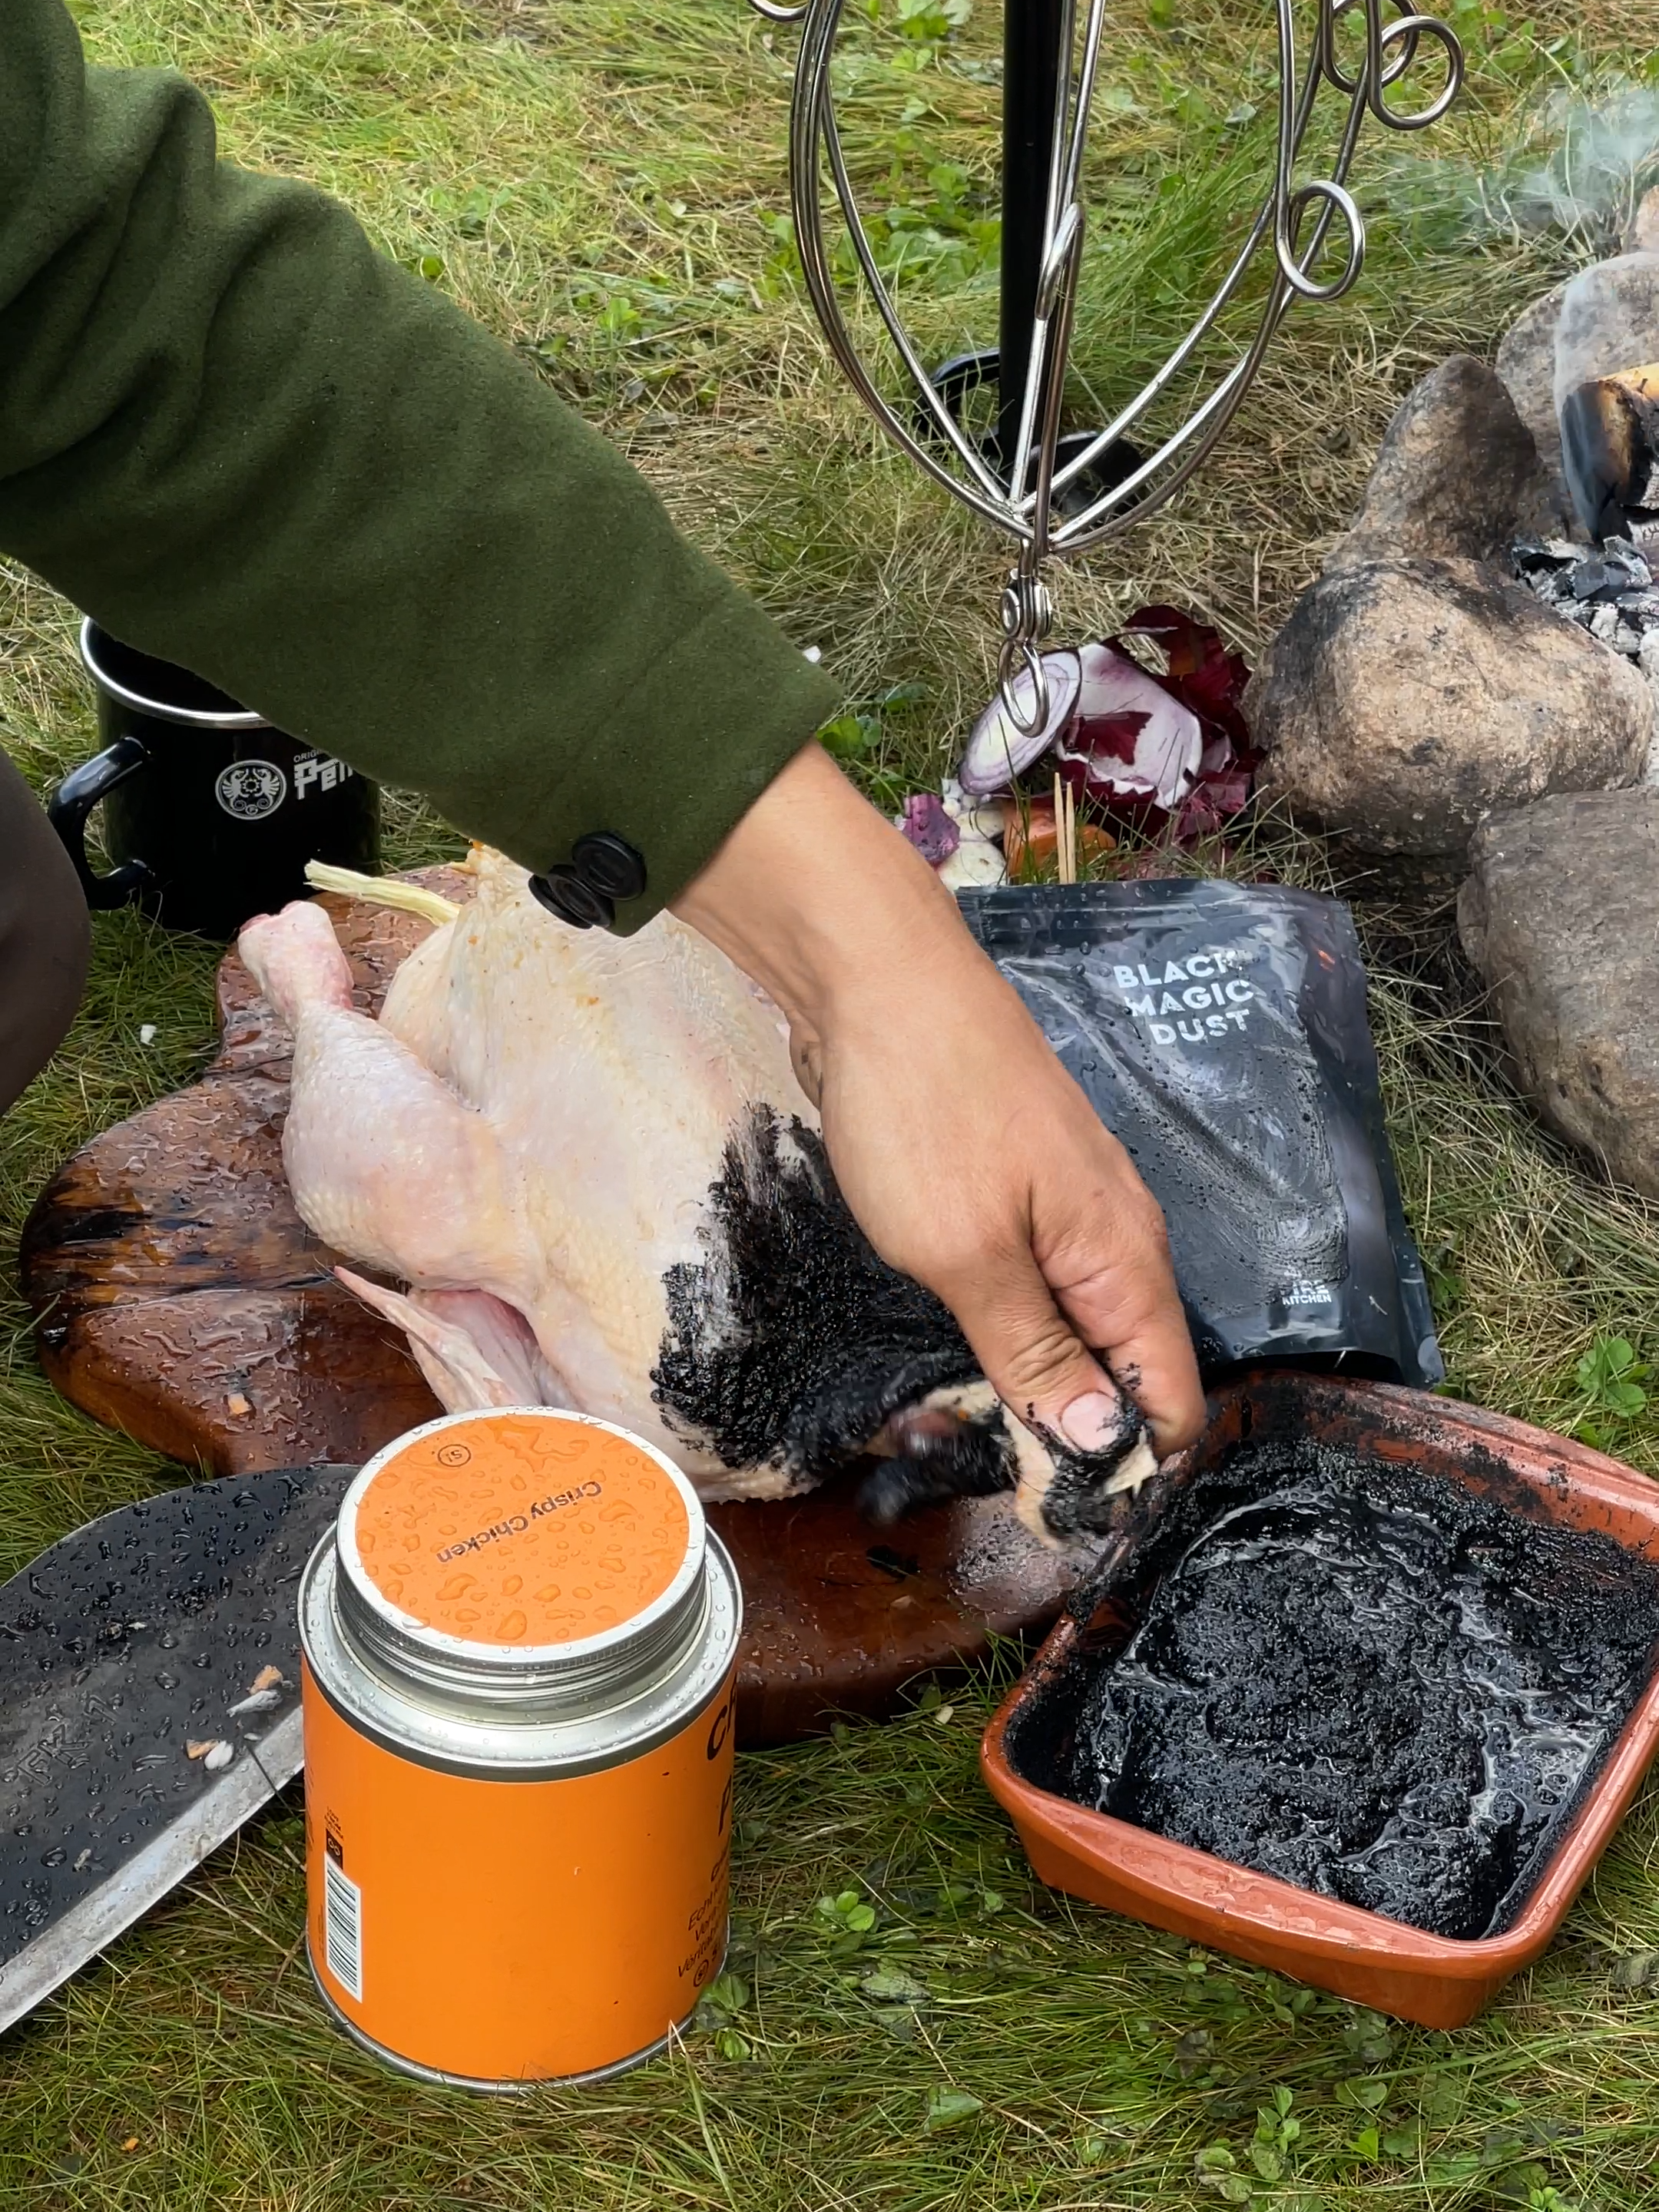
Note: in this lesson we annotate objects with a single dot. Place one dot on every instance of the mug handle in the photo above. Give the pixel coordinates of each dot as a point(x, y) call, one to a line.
point(73, 801)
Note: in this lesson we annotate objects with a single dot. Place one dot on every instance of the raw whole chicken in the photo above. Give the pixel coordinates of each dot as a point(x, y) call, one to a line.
point(589, 1158)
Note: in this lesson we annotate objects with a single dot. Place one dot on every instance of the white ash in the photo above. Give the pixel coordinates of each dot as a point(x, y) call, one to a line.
point(1612, 590)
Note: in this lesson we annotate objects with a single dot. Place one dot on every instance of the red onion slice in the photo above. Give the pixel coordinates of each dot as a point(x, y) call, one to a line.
point(998, 750)
point(1129, 740)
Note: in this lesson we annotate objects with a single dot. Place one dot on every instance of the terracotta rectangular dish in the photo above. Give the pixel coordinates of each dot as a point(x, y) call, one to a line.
point(1435, 1980)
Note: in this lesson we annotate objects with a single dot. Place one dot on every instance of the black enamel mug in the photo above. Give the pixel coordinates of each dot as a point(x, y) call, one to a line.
point(210, 813)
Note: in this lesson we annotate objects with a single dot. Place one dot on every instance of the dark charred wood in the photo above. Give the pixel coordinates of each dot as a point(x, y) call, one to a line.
point(1610, 449)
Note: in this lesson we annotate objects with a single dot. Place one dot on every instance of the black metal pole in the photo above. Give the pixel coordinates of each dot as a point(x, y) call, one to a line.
point(1031, 61)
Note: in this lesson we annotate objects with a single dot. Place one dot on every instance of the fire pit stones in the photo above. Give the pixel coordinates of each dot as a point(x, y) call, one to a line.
point(1416, 703)
point(1558, 917)
point(1419, 684)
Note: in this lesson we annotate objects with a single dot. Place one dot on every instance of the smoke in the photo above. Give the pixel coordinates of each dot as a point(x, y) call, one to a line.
point(1605, 156)
point(1578, 167)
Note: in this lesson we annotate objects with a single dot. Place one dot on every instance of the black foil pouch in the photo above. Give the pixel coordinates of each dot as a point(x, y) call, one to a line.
point(1219, 1031)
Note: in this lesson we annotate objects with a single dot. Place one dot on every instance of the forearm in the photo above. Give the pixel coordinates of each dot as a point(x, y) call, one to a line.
point(249, 444)
point(816, 896)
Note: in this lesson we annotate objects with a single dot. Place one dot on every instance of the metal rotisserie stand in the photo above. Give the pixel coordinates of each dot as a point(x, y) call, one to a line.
point(1057, 497)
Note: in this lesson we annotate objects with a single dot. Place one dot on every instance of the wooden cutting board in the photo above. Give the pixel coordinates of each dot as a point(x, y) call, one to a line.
point(179, 1297)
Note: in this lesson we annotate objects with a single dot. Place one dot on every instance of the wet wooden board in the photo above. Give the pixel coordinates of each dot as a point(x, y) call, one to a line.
point(179, 1297)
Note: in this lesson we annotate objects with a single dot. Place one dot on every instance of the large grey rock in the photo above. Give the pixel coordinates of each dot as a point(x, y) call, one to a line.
point(1416, 685)
point(1648, 662)
point(1405, 700)
point(1526, 363)
point(1643, 235)
point(1456, 465)
point(1609, 320)
point(1559, 917)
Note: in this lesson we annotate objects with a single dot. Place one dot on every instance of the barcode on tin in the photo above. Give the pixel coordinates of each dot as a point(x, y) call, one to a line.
point(342, 1929)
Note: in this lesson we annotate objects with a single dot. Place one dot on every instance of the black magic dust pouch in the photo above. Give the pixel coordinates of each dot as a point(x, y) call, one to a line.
point(1219, 1031)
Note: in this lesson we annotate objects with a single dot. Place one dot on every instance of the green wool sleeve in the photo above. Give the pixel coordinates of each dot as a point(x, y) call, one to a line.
point(245, 442)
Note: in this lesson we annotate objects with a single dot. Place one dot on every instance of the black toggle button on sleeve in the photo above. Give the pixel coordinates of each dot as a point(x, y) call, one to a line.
point(583, 891)
point(563, 892)
point(608, 864)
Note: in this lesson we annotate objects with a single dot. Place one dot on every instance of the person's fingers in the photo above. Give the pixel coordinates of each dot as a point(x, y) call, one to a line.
point(1074, 1316)
point(1115, 1284)
point(1089, 1436)
point(1033, 1331)
point(1031, 1355)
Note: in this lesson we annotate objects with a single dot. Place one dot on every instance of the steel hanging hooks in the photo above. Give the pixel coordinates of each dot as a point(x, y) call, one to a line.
point(1022, 494)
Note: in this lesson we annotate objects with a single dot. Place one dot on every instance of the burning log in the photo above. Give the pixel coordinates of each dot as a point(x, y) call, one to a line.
point(1610, 448)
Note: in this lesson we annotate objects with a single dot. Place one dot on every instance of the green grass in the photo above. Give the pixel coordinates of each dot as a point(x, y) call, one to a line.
point(601, 182)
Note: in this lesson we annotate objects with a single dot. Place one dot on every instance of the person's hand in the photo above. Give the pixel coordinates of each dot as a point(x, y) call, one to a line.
point(970, 1157)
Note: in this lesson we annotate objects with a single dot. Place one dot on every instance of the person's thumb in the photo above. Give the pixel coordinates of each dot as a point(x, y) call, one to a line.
point(1088, 1440)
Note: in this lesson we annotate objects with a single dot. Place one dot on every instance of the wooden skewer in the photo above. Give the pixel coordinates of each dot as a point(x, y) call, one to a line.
point(1065, 832)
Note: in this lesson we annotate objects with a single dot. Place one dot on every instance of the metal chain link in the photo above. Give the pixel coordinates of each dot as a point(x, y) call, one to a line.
point(1027, 615)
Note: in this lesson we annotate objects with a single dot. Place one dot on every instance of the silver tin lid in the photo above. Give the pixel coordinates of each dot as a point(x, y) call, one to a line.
point(482, 1705)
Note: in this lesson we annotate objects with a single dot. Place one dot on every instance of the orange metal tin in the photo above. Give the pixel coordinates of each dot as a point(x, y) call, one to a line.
point(1436, 1981)
point(519, 1647)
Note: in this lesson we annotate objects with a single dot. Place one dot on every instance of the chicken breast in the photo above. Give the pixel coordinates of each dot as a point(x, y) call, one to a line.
point(588, 1159)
